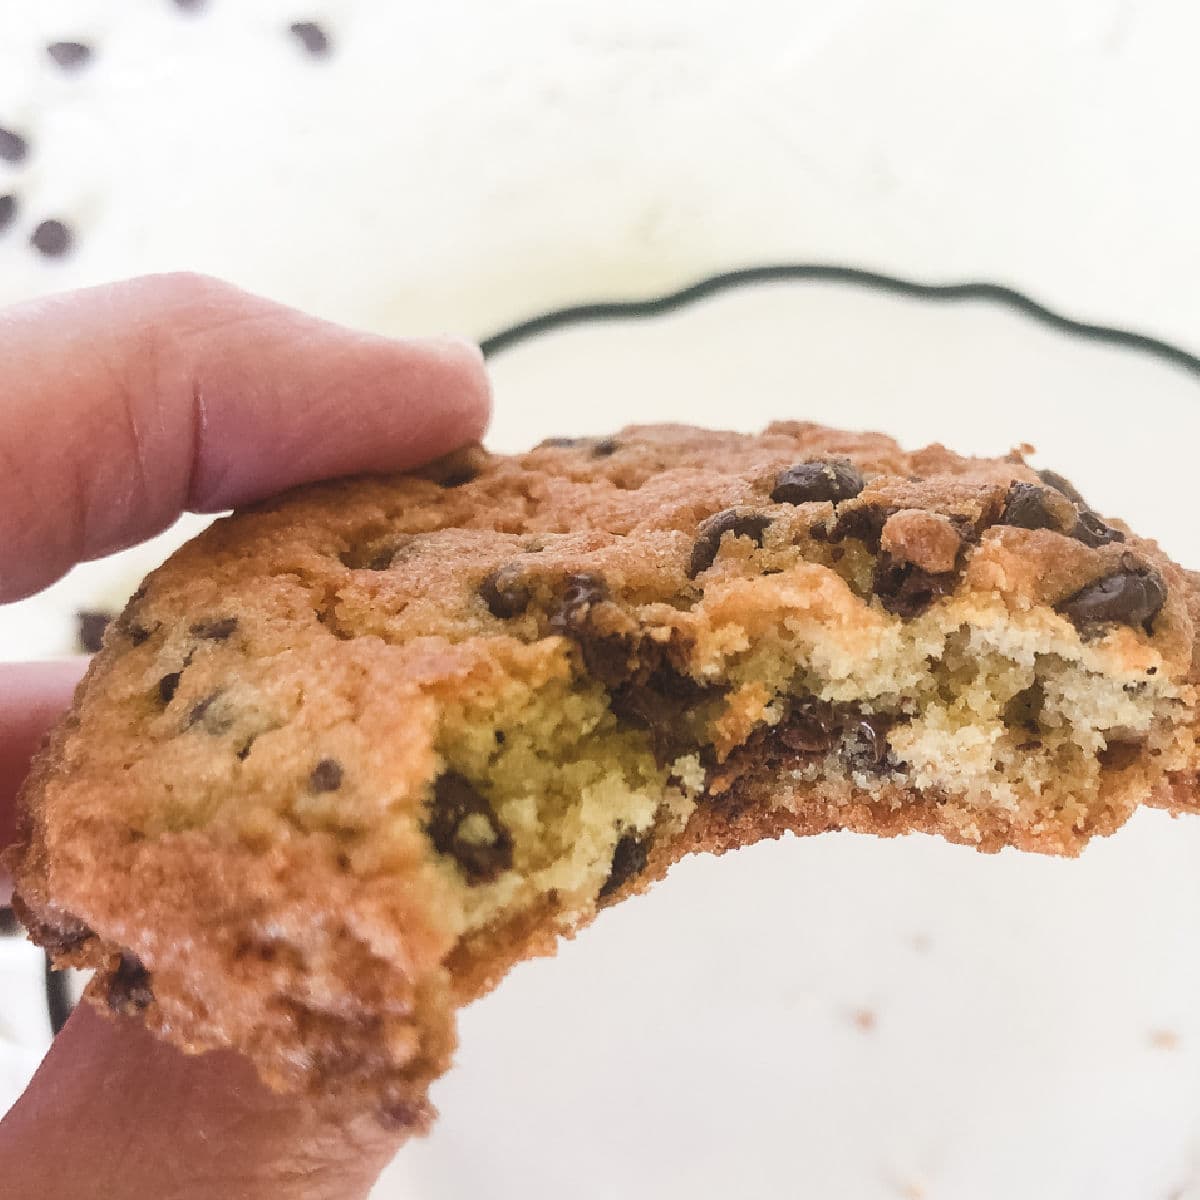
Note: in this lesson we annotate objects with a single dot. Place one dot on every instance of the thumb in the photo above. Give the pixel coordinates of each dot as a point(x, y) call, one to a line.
point(114, 1112)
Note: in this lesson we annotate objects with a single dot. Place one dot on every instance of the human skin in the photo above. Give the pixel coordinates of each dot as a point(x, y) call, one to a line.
point(120, 408)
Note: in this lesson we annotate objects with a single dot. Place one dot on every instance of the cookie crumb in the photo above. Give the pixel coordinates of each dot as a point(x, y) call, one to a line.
point(1164, 1039)
point(864, 1020)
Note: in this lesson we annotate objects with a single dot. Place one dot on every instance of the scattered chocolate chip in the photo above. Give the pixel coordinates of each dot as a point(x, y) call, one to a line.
point(455, 799)
point(90, 625)
point(216, 630)
point(52, 238)
point(628, 861)
point(905, 589)
point(504, 592)
point(807, 482)
point(500, 738)
point(8, 211)
point(326, 776)
point(13, 147)
point(244, 751)
point(168, 685)
point(605, 448)
point(1028, 506)
point(129, 986)
point(69, 55)
point(1064, 485)
point(710, 531)
point(1133, 596)
point(311, 36)
point(1092, 531)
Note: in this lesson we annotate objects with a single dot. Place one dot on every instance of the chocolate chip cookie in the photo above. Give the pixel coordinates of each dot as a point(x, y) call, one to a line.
point(350, 754)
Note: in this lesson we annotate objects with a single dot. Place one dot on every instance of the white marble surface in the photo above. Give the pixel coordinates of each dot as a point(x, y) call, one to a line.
point(464, 164)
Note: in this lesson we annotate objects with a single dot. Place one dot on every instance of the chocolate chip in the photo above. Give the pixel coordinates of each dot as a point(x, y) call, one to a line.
point(579, 593)
point(1118, 755)
point(129, 986)
point(809, 729)
point(1064, 485)
point(628, 861)
point(376, 554)
point(216, 630)
point(1092, 531)
point(807, 482)
point(1024, 710)
point(658, 703)
point(864, 523)
point(905, 589)
point(458, 478)
point(136, 633)
point(311, 36)
point(213, 721)
point(605, 448)
point(504, 592)
point(8, 211)
point(13, 147)
point(69, 55)
point(168, 685)
point(90, 625)
point(455, 799)
point(605, 655)
point(1131, 596)
point(1028, 506)
point(326, 776)
point(561, 443)
point(52, 238)
point(710, 532)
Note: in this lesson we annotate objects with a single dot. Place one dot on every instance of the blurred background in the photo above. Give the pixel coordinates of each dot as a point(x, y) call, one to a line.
point(836, 1018)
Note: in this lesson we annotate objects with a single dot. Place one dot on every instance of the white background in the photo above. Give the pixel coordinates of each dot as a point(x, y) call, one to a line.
point(465, 164)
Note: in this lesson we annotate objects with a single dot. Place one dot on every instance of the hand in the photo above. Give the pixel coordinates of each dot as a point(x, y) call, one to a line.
point(120, 408)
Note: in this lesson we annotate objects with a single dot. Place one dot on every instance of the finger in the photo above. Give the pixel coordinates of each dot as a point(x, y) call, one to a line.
point(122, 406)
point(113, 1112)
point(32, 697)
